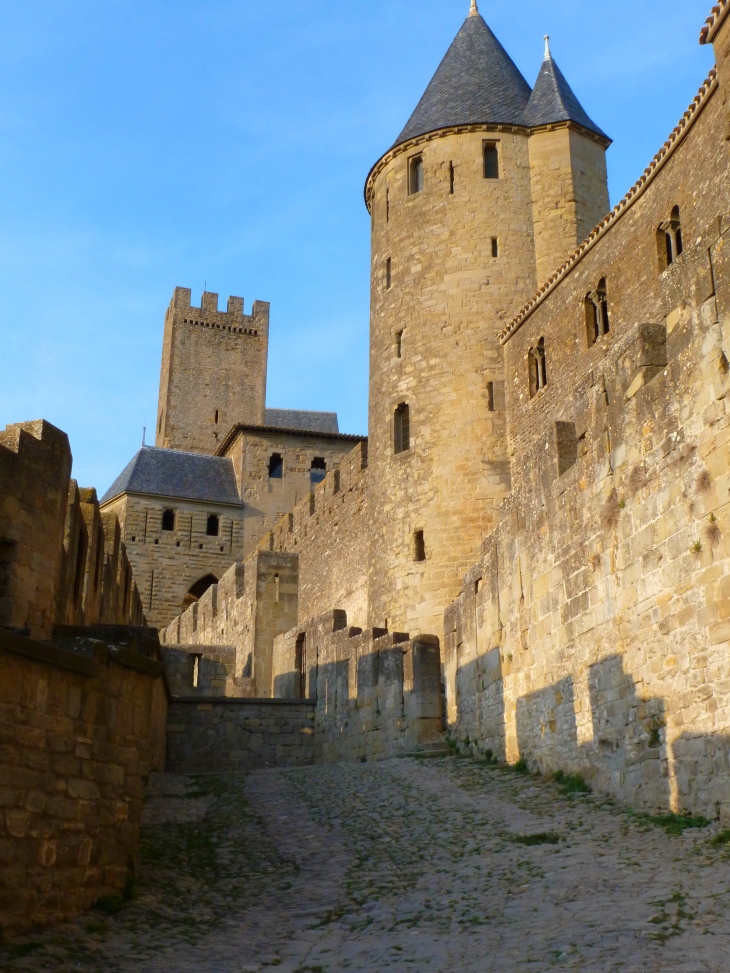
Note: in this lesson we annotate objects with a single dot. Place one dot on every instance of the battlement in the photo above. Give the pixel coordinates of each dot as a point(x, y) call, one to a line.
point(208, 315)
point(325, 501)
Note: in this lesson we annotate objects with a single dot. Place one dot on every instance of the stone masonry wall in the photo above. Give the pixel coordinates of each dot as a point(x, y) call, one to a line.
point(213, 372)
point(232, 735)
point(268, 499)
point(593, 634)
point(377, 693)
point(81, 730)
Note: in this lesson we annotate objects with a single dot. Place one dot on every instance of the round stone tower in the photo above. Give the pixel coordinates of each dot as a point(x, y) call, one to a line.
point(453, 259)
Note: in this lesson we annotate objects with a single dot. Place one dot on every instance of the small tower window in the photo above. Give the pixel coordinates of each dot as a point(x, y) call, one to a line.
point(214, 525)
point(596, 309)
point(419, 546)
point(491, 160)
point(276, 467)
point(538, 368)
point(216, 417)
point(399, 344)
point(318, 470)
point(402, 428)
point(451, 178)
point(495, 246)
point(388, 272)
point(387, 206)
point(669, 240)
point(415, 175)
point(168, 520)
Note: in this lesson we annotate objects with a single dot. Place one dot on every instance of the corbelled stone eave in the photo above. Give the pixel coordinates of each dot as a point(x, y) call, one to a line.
point(714, 22)
point(413, 143)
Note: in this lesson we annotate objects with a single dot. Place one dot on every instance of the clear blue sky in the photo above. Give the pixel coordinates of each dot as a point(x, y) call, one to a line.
point(146, 144)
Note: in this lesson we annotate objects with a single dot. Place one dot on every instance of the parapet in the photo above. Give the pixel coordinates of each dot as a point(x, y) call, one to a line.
point(233, 318)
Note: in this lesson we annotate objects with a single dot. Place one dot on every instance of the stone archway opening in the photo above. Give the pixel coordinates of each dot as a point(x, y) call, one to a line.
point(196, 591)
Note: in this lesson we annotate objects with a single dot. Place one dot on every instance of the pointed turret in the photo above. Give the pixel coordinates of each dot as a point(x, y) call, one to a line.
point(553, 100)
point(476, 83)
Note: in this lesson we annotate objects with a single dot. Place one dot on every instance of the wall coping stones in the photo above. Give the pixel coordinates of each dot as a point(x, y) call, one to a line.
point(84, 656)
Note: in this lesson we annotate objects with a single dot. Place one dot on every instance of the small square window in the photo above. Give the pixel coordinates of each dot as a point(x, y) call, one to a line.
point(491, 160)
point(213, 526)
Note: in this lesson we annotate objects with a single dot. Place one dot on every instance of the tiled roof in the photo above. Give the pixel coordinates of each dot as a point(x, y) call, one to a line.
point(657, 163)
point(716, 18)
point(553, 100)
point(259, 430)
point(477, 82)
point(296, 419)
point(174, 473)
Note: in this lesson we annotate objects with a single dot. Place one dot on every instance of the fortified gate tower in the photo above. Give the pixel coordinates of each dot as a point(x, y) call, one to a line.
point(486, 191)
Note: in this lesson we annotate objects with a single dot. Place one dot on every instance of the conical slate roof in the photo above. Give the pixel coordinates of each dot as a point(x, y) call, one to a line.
point(476, 83)
point(553, 100)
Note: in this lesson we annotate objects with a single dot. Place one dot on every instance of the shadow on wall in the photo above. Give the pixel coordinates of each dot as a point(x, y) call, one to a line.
point(627, 756)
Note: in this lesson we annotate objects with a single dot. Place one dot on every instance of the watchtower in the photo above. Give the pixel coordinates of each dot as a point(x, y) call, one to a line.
point(456, 204)
point(213, 372)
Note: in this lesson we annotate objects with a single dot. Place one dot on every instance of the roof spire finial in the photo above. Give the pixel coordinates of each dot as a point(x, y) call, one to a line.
point(474, 11)
point(548, 55)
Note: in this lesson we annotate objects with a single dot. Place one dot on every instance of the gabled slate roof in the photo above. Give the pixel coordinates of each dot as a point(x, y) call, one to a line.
point(176, 474)
point(477, 82)
point(308, 421)
point(553, 100)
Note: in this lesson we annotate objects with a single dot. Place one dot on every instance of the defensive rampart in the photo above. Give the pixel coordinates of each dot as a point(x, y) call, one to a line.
point(83, 724)
point(593, 634)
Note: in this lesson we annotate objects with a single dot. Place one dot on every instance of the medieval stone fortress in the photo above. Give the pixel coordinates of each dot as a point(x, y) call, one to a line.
point(525, 561)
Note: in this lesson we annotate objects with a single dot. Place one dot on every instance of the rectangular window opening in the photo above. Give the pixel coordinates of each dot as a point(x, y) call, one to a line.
point(213, 525)
point(491, 160)
point(490, 396)
point(168, 520)
point(419, 546)
point(318, 470)
point(388, 272)
point(387, 206)
point(276, 466)
point(451, 178)
point(196, 660)
point(415, 175)
point(401, 428)
point(399, 344)
point(495, 246)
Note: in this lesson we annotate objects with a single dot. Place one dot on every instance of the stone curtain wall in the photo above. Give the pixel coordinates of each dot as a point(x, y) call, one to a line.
point(594, 635)
point(213, 368)
point(268, 499)
point(377, 693)
point(167, 564)
point(231, 735)
point(330, 532)
point(61, 560)
point(252, 604)
point(81, 731)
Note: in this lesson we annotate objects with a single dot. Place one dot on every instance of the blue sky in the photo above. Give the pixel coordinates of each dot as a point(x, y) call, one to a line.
point(146, 144)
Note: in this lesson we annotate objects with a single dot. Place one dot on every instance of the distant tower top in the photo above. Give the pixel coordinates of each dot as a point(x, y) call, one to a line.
point(474, 12)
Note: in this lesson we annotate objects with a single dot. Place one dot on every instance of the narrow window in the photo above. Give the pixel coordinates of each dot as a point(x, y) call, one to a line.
point(399, 344)
point(596, 311)
point(213, 526)
point(538, 368)
point(451, 178)
point(495, 246)
point(402, 429)
point(388, 272)
point(669, 240)
point(196, 659)
point(168, 520)
point(318, 470)
point(491, 160)
point(490, 396)
point(415, 175)
point(277, 590)
point(216, 417)
point(602, 296)
point(419, 546)
point(387, 206)
point(276, 467)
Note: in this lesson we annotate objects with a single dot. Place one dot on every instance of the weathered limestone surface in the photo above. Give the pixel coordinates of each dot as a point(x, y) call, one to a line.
point(213, 371)
point(593, 634)
point(82, 726)
point(231, 735)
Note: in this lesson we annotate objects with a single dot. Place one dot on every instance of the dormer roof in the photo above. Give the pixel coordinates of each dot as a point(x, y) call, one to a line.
point(553, 100)
point(476, 83)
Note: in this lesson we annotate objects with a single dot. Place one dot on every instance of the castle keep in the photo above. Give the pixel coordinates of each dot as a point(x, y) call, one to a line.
point(529, 551)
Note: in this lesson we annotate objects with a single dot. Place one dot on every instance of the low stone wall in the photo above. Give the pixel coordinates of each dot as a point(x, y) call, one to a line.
point(238, 734)
point(377, 693)
point(80, 724)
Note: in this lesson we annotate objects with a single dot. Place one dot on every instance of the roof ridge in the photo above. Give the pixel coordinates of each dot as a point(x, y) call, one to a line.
point(680, 130)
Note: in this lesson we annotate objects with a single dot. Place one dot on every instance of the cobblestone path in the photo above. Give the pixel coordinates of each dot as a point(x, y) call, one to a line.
point(438, 866)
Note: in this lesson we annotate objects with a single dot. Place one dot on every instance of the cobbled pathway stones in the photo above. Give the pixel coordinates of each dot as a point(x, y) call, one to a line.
point(437, 866)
